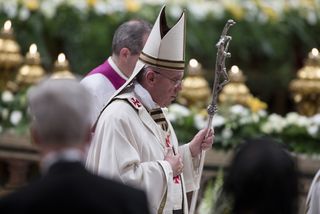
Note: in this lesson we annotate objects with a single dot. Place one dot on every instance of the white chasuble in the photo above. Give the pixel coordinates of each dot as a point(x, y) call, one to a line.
point(129, 146)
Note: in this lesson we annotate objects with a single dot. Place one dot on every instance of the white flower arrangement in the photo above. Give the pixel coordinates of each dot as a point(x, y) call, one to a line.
point(236, 123)
point(7, 96)
point(13, 112)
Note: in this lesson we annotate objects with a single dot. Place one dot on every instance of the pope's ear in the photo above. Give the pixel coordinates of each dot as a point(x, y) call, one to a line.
point(150, 77)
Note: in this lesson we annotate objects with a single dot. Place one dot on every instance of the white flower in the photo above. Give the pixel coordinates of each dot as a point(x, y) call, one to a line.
point(24, 14)
point(201, 10)
point(81, 5)
point(315, 119)
point(294, 118)
point(200, 121)
point(251, 10)
point(10, 8)
point(313, 130)
point(255, 118)
point(262, 18)
point(15, 117)
point(101, 7)
point(226, 133)
point(215, 8)
point(244, 120)
point(153, 2)
point(7, 96)
point(172, 117)
point(311, 17)
point(218, 120)
point(266, 128)
point(175, 11)
point(236, 109)
point(5, 113)
point(115, 6)
point(179, 110)
point(262, 113)
point(275, 123)
point(49, 8)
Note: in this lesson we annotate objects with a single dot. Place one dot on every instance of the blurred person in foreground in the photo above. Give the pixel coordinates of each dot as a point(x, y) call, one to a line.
point(60, 127)
point(104, 80)
point(262, 179)
point(134, 141)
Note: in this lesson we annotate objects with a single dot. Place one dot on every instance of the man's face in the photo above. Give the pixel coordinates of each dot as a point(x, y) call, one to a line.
point(167, 86)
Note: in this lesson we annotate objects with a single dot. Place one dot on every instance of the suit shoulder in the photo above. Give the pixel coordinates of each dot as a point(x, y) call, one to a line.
point(122, 190)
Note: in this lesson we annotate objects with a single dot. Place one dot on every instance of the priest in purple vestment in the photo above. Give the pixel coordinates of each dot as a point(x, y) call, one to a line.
point(104, 80)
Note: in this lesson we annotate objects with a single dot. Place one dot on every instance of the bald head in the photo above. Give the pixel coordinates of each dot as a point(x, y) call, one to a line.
point(60, 111)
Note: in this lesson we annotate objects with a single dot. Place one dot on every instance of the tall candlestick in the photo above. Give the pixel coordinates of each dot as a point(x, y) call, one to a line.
point(61, 68)
point(31, 72)
point(10, 57)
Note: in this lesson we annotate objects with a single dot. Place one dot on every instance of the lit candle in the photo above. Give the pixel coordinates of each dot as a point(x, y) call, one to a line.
point(33, 49)
point(61, 68)
point(235, 69)
point(61, 58)
point(314, 51)
point(7, 26)
point(193, 63)
point(33, 56)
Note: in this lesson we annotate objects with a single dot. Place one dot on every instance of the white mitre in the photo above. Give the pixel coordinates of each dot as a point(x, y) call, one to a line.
point(164, 48)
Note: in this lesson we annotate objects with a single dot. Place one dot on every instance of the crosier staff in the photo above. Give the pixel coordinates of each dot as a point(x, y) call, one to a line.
point(220, 79)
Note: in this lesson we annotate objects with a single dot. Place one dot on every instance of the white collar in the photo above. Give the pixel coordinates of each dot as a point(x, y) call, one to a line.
point(115, 67)
point(71, 155)
point(144, 96)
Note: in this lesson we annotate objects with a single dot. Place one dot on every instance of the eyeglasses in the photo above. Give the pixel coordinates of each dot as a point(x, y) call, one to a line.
point(175, 82)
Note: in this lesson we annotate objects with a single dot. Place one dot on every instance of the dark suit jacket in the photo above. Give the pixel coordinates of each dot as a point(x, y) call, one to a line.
point(69, 188)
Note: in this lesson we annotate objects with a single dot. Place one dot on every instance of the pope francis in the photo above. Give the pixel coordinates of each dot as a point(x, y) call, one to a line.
point(134, 141)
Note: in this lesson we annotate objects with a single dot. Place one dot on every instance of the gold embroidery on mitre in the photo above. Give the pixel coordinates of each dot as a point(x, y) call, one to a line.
point(170, 64)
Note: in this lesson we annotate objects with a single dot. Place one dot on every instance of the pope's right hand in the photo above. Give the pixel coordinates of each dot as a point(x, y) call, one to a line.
point(175, 161)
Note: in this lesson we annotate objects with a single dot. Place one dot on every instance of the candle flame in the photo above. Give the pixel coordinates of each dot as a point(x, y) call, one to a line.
point(234, 69)
point(314, 51)
point(193, 63)
point(33, 48)
point(7, 25)
point(61, 57)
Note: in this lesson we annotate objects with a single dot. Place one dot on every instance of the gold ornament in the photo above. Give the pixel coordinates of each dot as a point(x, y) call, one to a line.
point(31, 72)
point(61, 68)
point(306, 87)
point(235, 92)
point(195, 90)
point(10, 57)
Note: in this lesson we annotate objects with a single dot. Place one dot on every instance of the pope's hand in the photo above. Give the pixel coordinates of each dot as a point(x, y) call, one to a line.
point(201, 142)
point(175, 161)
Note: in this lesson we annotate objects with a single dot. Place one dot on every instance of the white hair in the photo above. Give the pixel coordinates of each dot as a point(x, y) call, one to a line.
point(60, 110)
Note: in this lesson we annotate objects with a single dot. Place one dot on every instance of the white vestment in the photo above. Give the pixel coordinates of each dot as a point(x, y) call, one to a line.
point(313, 198)
point(128, 145)
point(101, 89)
